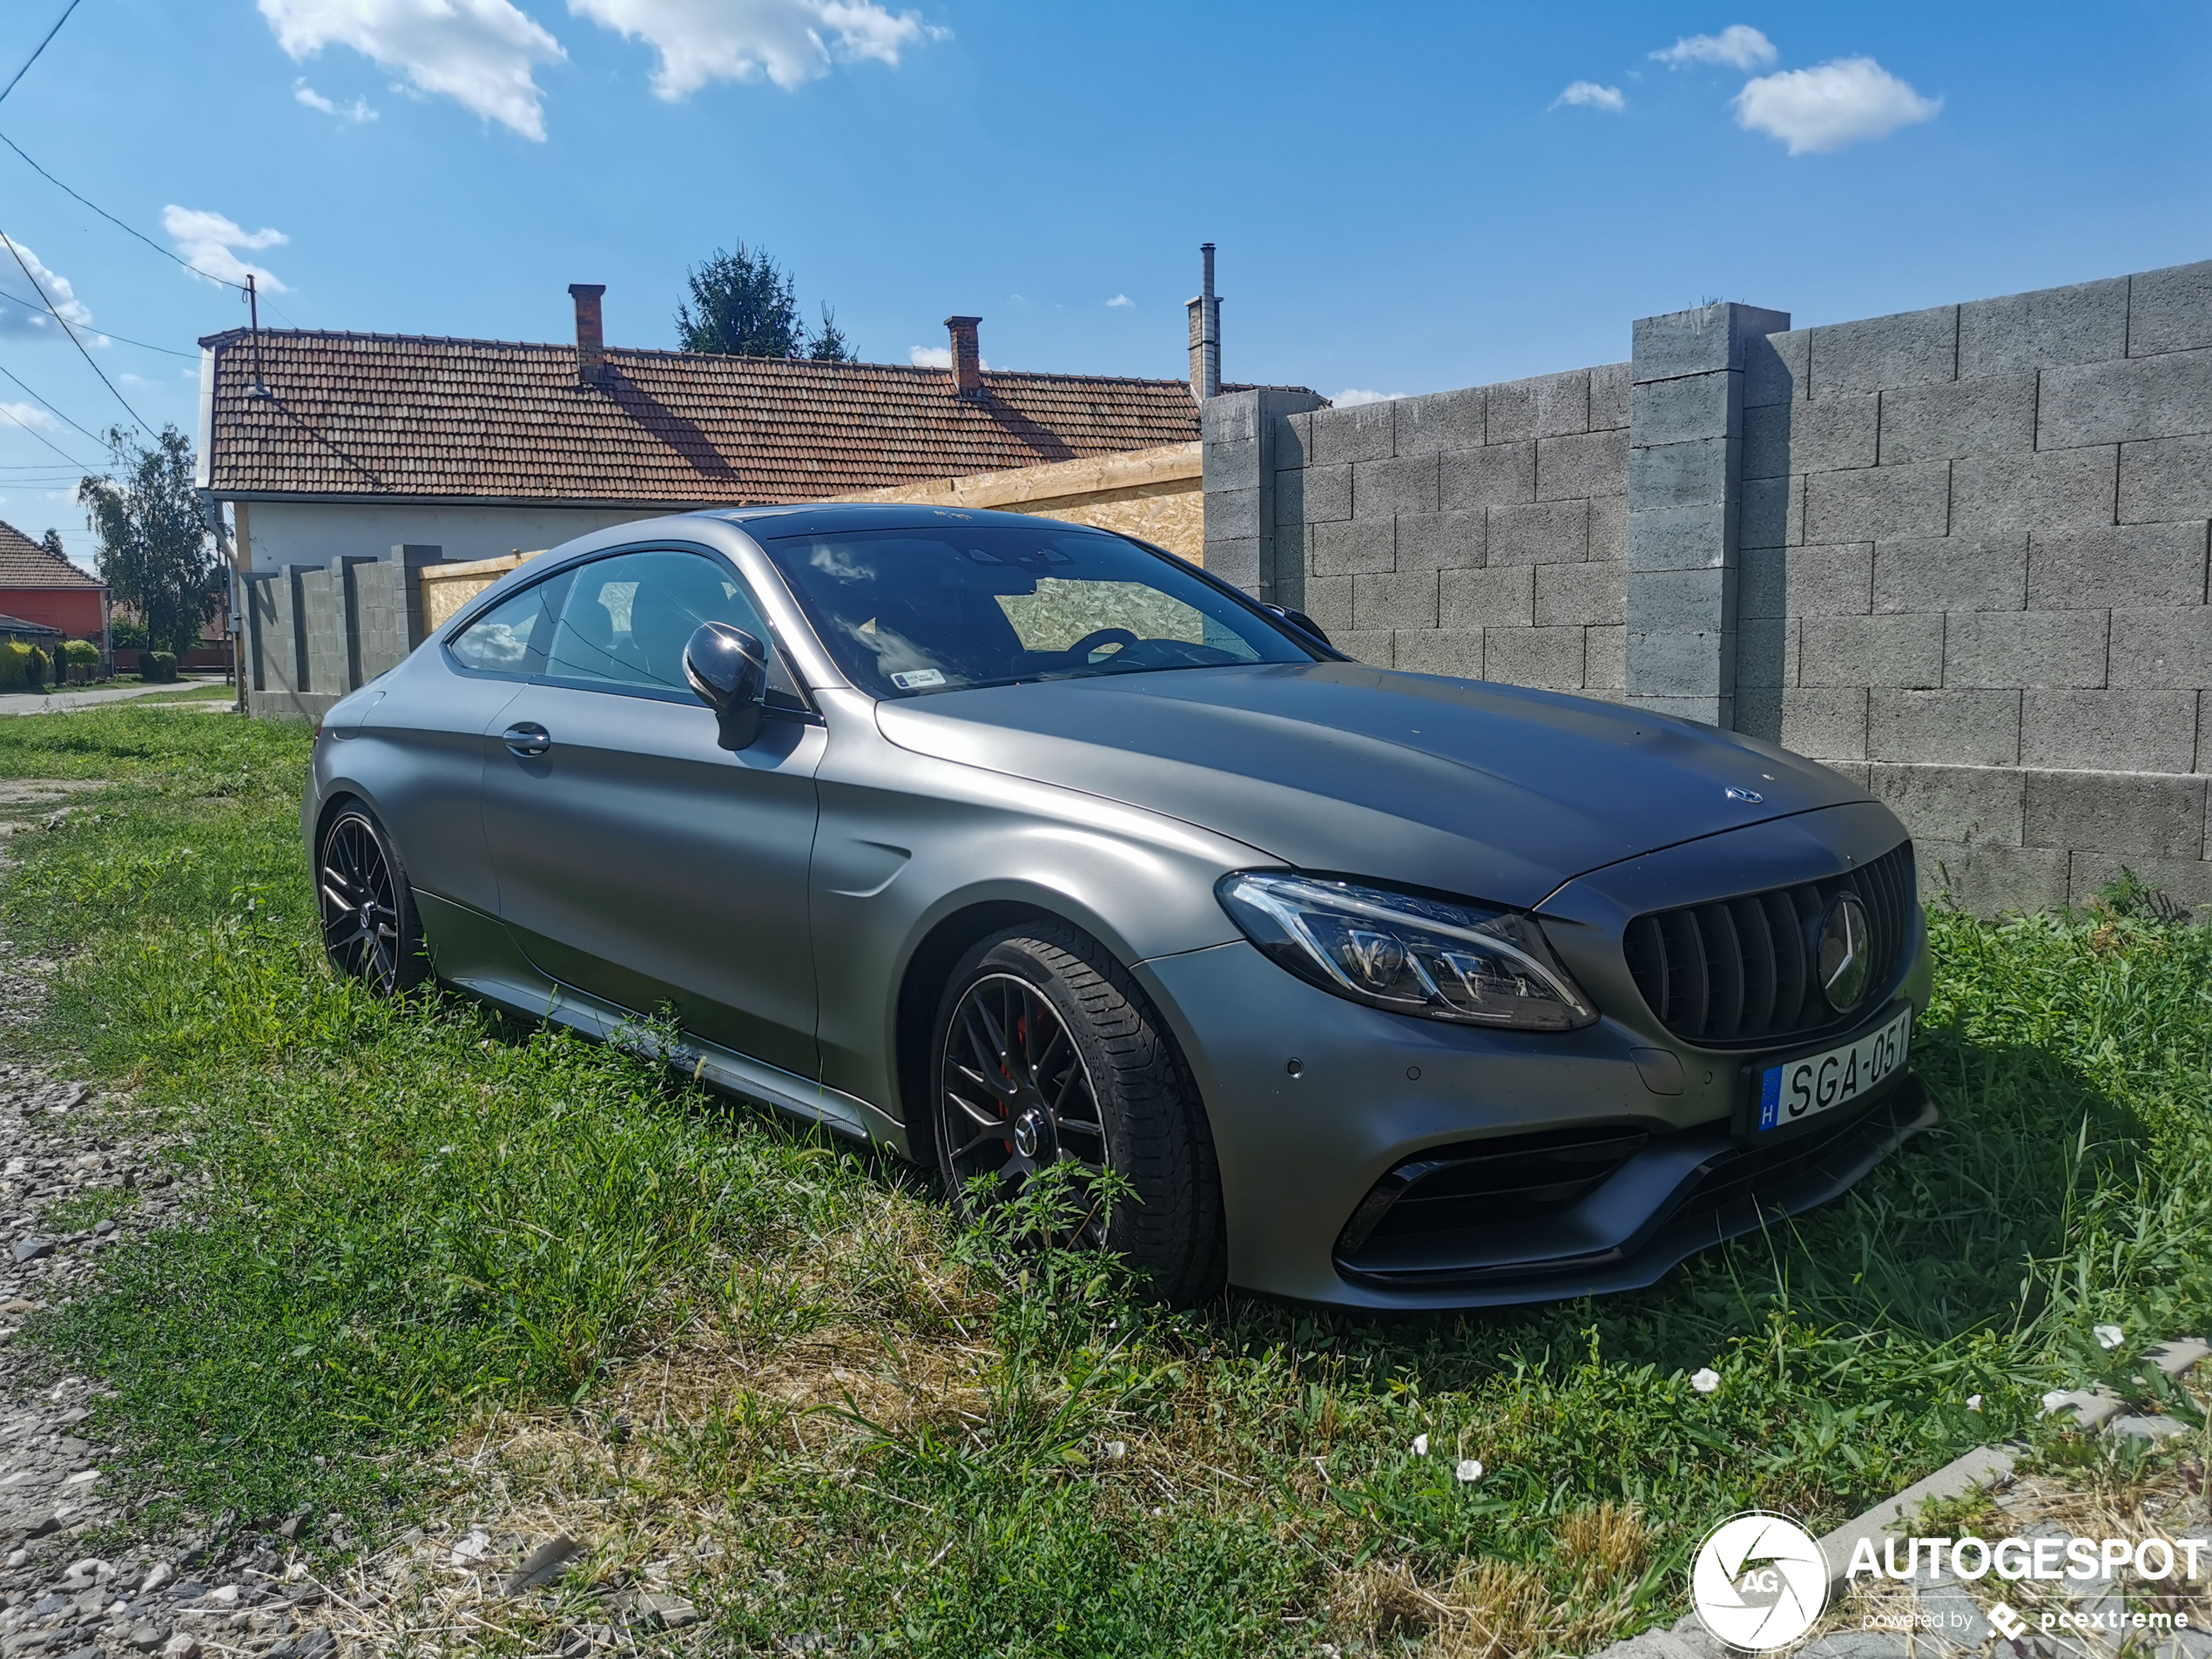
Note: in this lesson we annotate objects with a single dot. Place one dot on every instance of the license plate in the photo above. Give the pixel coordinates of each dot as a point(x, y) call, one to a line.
point(1796, 1090)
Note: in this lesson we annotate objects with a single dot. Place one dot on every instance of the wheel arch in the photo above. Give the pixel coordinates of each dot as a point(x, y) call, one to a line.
point(921, 984)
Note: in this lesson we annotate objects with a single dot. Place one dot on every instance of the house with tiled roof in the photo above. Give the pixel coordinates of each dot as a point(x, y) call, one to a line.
point(44, 597)
point(328, 444)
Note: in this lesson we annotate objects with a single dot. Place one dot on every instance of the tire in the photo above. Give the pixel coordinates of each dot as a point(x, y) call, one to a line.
point(1114, 1092)
point(370, 930)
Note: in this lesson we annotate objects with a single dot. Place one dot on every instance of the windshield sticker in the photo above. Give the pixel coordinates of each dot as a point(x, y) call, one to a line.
point(917, 679)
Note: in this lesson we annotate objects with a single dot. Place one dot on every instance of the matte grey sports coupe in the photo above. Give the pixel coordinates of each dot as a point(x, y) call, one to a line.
point(1000, 842)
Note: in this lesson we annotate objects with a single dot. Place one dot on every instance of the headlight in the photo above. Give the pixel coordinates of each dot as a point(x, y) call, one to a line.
point(1471, 964)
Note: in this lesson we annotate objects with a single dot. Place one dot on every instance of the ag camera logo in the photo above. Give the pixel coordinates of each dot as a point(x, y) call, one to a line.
point(1759, 1582)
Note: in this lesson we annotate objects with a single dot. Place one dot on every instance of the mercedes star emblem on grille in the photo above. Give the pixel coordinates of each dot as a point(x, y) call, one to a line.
point(1844, 964)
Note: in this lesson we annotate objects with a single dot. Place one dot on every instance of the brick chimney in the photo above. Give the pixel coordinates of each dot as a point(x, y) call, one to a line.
point(967, 356)
point(591, 334)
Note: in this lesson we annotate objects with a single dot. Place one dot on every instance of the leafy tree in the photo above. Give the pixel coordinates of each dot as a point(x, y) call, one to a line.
point(745, 304)
point(156, 554)
point(51, 541)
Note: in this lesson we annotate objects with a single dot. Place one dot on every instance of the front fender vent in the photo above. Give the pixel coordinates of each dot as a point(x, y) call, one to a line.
point(1741, 973)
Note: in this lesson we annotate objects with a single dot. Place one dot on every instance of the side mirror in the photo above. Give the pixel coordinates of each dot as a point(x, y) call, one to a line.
point(729, 669)
point(1303, 622)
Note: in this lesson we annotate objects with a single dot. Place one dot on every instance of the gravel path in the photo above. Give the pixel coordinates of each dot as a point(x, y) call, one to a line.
point(73, 1183)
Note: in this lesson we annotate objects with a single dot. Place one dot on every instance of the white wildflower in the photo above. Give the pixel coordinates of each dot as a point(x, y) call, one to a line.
point(1707, 1381)
point(1469, 1471)
point(2110, 1335)
point(1973, 1402)
point(1420, 1446)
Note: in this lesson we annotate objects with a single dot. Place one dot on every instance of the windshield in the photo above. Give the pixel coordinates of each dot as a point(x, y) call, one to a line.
point(906, 612)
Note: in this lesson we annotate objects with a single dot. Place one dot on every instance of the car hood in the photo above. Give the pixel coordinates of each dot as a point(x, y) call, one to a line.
point(1491, 792)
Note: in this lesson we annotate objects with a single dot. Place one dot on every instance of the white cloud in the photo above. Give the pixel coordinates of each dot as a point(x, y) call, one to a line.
point(357, 111)
point(28, 415)
point(788, 41)
point(1353, 396)
point(1590, 95)
point(937, 357)
point(481, 53)
point(1120, 299)
point(1738, 46)
point(1825, 108)
point(206, 239)
point(21, 322)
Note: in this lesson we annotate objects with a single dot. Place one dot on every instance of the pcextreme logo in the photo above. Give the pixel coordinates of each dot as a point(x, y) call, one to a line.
point(1759, 1582)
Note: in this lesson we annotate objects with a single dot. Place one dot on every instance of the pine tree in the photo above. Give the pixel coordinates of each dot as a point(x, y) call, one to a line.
point(745, 304)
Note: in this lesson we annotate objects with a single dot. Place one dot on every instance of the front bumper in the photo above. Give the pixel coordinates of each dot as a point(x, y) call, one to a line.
point(1315, 1102)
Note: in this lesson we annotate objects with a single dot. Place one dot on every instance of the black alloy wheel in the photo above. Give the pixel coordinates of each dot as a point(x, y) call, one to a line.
point(1015, 1095)
point(369, 928)
point(1047, 1053)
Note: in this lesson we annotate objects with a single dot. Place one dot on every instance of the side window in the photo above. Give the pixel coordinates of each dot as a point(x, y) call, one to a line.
point(510, 637)
point(626, 620)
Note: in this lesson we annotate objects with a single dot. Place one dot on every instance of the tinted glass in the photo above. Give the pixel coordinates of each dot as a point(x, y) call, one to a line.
point(910, 611)
point(509, 639)
point(626, 620)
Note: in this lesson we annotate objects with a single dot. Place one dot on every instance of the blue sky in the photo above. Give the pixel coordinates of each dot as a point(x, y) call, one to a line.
point(1402, 200)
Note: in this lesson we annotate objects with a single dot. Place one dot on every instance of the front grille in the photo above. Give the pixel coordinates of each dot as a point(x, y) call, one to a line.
point(1740, 972)
point(1507, 1179)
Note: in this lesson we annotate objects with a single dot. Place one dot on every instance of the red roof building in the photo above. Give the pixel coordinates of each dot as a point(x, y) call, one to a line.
point(329, 443)
point(40, 586)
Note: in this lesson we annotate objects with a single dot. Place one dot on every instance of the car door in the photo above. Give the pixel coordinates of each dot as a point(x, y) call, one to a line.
point(636, 858)
point(435, 723)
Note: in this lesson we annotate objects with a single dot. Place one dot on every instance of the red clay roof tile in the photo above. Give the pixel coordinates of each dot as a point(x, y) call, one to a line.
point(26, 563)
point(386, 415)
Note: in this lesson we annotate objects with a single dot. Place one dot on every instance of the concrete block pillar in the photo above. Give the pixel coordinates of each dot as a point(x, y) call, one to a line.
point(322, 630)
point(285, 662)
point(387, 608)
point(260, 629)
point(1685, 493)
point(1241, 430)
point(345, 596)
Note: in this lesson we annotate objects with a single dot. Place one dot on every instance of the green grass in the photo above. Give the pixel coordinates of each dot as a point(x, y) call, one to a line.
point(421, 1221)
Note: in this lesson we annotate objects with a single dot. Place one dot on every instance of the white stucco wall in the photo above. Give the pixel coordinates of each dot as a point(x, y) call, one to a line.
point(281, 533)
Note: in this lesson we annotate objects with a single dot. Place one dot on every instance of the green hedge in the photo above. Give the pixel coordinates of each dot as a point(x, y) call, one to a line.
point(80, 653)
point(22, 666)
point(157, 665)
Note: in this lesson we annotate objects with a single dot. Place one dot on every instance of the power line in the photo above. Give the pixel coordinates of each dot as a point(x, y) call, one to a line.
point(42, 438)
point(42, 46)
point(141, 344)
point(137, 418)
point(46, 405)
point(166, 254)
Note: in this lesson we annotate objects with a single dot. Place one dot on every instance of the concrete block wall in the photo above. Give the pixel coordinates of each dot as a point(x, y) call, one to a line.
point(312, 633)
point(1958, 553)
point(1974, 577)
point(1481, 533)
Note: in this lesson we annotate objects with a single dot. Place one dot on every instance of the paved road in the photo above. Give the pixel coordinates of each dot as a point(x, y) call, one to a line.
point(92, 696)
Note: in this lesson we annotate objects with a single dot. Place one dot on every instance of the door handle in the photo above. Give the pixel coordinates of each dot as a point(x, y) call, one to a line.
point(528, 740)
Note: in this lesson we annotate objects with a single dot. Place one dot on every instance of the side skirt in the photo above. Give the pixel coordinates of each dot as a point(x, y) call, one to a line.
point(473, 953)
